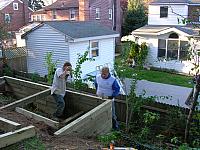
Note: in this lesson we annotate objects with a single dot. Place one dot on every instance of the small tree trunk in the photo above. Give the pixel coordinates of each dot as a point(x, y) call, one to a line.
point(192, 109)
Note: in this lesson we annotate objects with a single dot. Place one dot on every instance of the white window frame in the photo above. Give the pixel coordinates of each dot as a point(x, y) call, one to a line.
point(72, 14)
point(38, 17)
point(97, 13)
point(110, 14)
point(54, 15)
point(94, 49)
point(15, 6)
point(5, 17)
point(42, 17)
point(178, 48)
point(34, 18)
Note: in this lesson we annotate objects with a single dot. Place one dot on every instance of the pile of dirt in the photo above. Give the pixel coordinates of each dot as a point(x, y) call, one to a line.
point(45, 133)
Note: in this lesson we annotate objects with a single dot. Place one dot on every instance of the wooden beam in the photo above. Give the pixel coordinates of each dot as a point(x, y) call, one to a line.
point(91, 123)
point(24, 101)
point(16, 136)
point(7, 125)
point(72, 117)
point(51, 123)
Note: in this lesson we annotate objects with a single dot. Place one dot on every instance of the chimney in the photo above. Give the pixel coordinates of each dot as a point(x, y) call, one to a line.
point(84, 10)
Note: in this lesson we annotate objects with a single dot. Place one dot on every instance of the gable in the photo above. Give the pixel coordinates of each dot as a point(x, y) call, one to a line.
point(5, 3)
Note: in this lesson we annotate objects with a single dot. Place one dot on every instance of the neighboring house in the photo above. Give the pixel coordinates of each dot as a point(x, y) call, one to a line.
point(105, 12)
point(15, 13)
point(67, 39)
point(167, 36)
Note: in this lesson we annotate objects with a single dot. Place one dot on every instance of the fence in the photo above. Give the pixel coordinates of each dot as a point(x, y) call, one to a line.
point(15, 58)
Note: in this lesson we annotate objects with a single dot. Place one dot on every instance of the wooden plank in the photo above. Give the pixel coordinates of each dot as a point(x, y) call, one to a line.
point(51, 123)
point(73, 117)
point(27, 83)
point(27, 100)
point(86, 124)
point(8, 125)
point(16, 136)
point(2, 83)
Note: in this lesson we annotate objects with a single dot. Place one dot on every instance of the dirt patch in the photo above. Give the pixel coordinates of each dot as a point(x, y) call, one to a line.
point(45, 133)
point(4, 99)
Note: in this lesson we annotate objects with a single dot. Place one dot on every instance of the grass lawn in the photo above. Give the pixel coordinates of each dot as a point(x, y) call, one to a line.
point(159, 76)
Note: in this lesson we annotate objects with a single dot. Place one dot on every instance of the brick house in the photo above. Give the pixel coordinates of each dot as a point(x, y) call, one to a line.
point(15, 13)
point(106, 12)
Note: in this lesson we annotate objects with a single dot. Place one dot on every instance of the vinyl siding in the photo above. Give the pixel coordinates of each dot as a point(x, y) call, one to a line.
point(106, 54)
point(39, 42)
point(172, 19)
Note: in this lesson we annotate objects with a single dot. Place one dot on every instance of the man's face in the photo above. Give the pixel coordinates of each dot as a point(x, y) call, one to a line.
point(67, 68)
point(104, 74)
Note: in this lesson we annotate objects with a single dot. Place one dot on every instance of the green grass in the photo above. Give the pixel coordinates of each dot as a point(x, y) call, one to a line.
point(159, 76)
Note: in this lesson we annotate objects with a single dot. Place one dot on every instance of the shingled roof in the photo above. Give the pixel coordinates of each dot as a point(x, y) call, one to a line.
point(176, 2)
point(78, 29)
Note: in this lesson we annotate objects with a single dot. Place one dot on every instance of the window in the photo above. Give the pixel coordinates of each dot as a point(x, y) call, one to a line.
point(38, 18)
point(42, 17)
point(94, 49)
point(15, 6)
point(33, 18)
point(173, 49)
point(7, 18)
point(54, 14)
point(110, 14)
point(163, 11)
point(184, 46)
point(161, 48)
point(72, 14)
point(97, 13)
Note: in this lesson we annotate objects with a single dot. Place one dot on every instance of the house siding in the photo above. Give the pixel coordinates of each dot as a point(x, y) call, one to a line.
point(19, 17)
point(152, 42)
point(106, 54)
point(172, 19)
point(43, 40)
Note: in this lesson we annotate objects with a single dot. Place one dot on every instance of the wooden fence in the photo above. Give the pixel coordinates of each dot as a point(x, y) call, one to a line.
point(15, 58)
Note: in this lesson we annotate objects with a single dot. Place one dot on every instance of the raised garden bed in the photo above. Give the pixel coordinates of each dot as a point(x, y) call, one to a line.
point(86, 115)
point(12, 132)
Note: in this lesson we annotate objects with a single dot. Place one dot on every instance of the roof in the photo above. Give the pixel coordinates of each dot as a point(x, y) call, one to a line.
point(78, 29)
point(62, 4)
point(4, 3)
point(175, 2)
point(157, 29)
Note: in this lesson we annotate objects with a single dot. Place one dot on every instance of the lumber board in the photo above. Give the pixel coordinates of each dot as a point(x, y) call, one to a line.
point(16, 136)
point(27, 100)
point(73, 117)
point(89, 121)
point(51, 123)
point(2, 83)
point(8, 125)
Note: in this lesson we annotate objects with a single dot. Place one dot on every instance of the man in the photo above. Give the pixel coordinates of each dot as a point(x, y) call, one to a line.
point(59, 86)
point(108, 87)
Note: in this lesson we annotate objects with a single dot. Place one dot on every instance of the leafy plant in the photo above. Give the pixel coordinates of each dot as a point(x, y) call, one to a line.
point(51, 66)
point(35, 77)
point(78, 81)
point(7, 71)
point(108, 138)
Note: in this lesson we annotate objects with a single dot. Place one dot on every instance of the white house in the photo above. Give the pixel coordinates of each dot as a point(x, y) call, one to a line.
point(67, 39)
point(167, 36)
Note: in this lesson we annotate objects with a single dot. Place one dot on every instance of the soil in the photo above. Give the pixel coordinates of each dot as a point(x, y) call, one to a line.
point(4, 100)
point(45, 133)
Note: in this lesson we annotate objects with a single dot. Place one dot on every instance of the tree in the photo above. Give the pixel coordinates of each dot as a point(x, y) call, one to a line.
point(36, 4)
point(135, 17)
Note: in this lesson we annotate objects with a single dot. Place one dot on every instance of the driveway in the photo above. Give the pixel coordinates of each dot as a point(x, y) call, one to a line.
point(165, 93)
